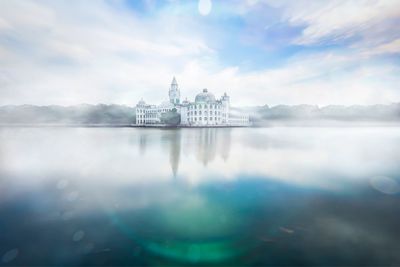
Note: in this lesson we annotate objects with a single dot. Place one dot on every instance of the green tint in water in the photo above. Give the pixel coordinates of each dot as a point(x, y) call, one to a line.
point(195, 216)
point(207, 252)
point(201, 230)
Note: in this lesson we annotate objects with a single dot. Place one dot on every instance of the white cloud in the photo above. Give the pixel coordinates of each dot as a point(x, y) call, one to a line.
point(321, 79)
point(54, 52)
point(392, 47)
point(337, 19)
point(87, 52)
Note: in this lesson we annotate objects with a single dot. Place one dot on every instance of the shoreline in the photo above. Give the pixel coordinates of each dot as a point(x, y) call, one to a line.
point(294, 124)
point(36, 125)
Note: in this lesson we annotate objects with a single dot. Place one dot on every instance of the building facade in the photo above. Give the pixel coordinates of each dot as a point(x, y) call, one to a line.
point(205, 110)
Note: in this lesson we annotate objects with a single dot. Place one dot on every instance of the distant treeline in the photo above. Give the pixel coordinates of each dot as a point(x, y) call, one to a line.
point(384, 113)
point(79, 114)
point(124, 115)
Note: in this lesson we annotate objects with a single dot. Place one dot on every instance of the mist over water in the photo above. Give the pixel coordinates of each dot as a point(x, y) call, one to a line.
point(242, 196)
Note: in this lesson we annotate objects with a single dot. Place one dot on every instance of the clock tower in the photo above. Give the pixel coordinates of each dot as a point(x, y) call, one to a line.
point(174, 93)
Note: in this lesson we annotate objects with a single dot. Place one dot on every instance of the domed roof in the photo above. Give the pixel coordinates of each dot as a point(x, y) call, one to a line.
point(205, 97)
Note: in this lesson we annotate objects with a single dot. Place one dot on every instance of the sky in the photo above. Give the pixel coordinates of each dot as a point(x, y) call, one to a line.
point(331, 52)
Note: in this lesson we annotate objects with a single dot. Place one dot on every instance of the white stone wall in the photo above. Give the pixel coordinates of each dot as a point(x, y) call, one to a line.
point(226, 107)
point(140, 115)
point(184, 115)
point(150, 114)
point(205, 113)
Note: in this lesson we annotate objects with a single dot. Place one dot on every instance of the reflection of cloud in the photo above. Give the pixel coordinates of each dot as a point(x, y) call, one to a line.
point(109, 156)
point(112, 174)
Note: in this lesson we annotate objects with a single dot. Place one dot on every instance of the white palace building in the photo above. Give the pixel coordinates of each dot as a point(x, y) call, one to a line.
point(205, 111)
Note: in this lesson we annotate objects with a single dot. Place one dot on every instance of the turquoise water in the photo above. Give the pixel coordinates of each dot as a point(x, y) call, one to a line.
point(249, 196)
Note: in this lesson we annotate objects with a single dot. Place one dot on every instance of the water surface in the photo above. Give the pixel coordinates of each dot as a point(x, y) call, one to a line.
point(249, 196)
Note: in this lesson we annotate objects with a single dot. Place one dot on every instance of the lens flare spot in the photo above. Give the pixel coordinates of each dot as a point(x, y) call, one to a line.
point(72, 196)
point(62, 184)
point(205, 7)
point(385, 185)
point(10, 255)
point(78, 236)
point(88, 248)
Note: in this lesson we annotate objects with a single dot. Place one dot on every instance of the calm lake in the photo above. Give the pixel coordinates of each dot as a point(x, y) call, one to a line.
point(241, 196)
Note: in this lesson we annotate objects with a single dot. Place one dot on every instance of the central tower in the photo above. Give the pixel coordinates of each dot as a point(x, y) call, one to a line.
point(174, 94)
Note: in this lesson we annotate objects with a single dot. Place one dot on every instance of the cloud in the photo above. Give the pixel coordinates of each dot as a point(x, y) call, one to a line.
point(335, 20)
point(71, 52)
point(84, 51)
point(321, 78)
point(392, 47)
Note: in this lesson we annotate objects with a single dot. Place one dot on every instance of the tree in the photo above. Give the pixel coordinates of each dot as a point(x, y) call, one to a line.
point(171, 117)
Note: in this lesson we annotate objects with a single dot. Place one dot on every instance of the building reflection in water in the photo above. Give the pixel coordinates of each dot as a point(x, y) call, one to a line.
point(224, 143)
point(212, 143)
point(142, 143)
point(206, 144)
point(174, 150)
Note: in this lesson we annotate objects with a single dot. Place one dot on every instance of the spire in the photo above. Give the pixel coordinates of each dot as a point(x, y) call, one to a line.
point(174, 81)
point(174, 93)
